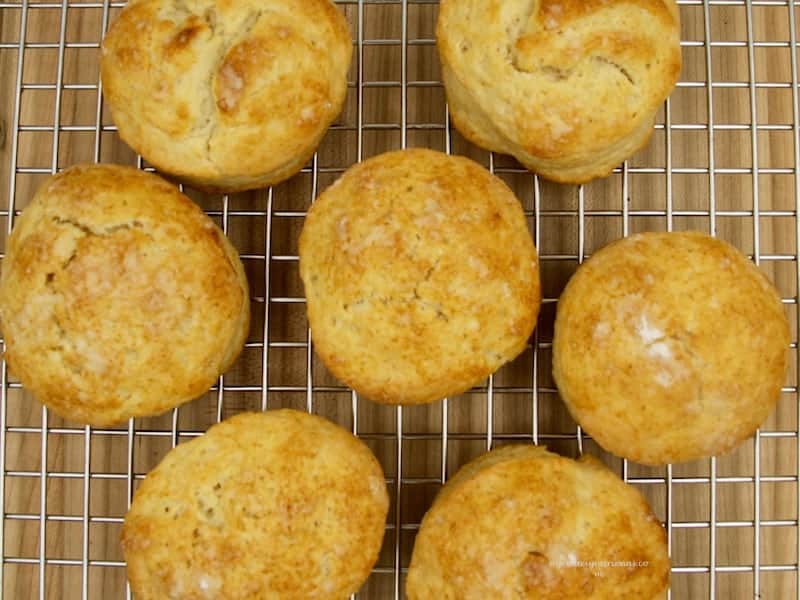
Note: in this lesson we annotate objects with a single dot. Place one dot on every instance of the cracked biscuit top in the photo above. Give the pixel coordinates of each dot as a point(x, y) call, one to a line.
point(226, 94)
point(420, 274)
point(119, 297)
point(670, 347)
point(569, 87)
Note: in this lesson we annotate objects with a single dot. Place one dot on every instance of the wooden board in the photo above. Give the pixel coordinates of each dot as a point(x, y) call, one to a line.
point(737, 178)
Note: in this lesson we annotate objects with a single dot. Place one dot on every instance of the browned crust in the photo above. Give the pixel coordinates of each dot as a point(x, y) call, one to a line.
point(226, 95)
point(670, 347)
point(520, 522)
point(119, 297)
point(569, 88)
point(280, 504)
point(403, 261)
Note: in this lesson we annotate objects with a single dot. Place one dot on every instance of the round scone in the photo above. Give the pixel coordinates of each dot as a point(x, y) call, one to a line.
point(522, 523)
point(226, 95)
point(420, 275)
point(280, 504)
point(119, 297)
point(670, 347)
point(569, 87)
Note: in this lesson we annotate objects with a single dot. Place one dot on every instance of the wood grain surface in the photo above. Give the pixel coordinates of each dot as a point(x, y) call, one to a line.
point(723, 158)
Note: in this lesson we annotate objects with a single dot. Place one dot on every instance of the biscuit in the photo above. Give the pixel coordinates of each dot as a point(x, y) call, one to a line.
point(520, 522)
point(226, 95)
point(280, 504)
point(569, 87)
point(119, 297)
point(670, 347)
point(420, 275)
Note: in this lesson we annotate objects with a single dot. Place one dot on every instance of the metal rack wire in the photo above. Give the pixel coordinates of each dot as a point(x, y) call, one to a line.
point(725, 158)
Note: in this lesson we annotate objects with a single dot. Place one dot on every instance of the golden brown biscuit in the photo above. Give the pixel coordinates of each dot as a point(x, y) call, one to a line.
point(280, 504)
point(568, 87)
point(119, 297)
point(670, 347)
point(420, 274)
point(227, 95)
point(520, 522)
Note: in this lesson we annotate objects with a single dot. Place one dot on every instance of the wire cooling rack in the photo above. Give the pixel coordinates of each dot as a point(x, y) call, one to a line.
point(724, 158)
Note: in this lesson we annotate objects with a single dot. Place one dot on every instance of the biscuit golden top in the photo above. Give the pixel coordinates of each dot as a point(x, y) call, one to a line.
point(520, 522)
point(238, 87)
point(280, 504)
point(558, 75)
point(420, 274)
point(670, 347)
point(119, 297)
